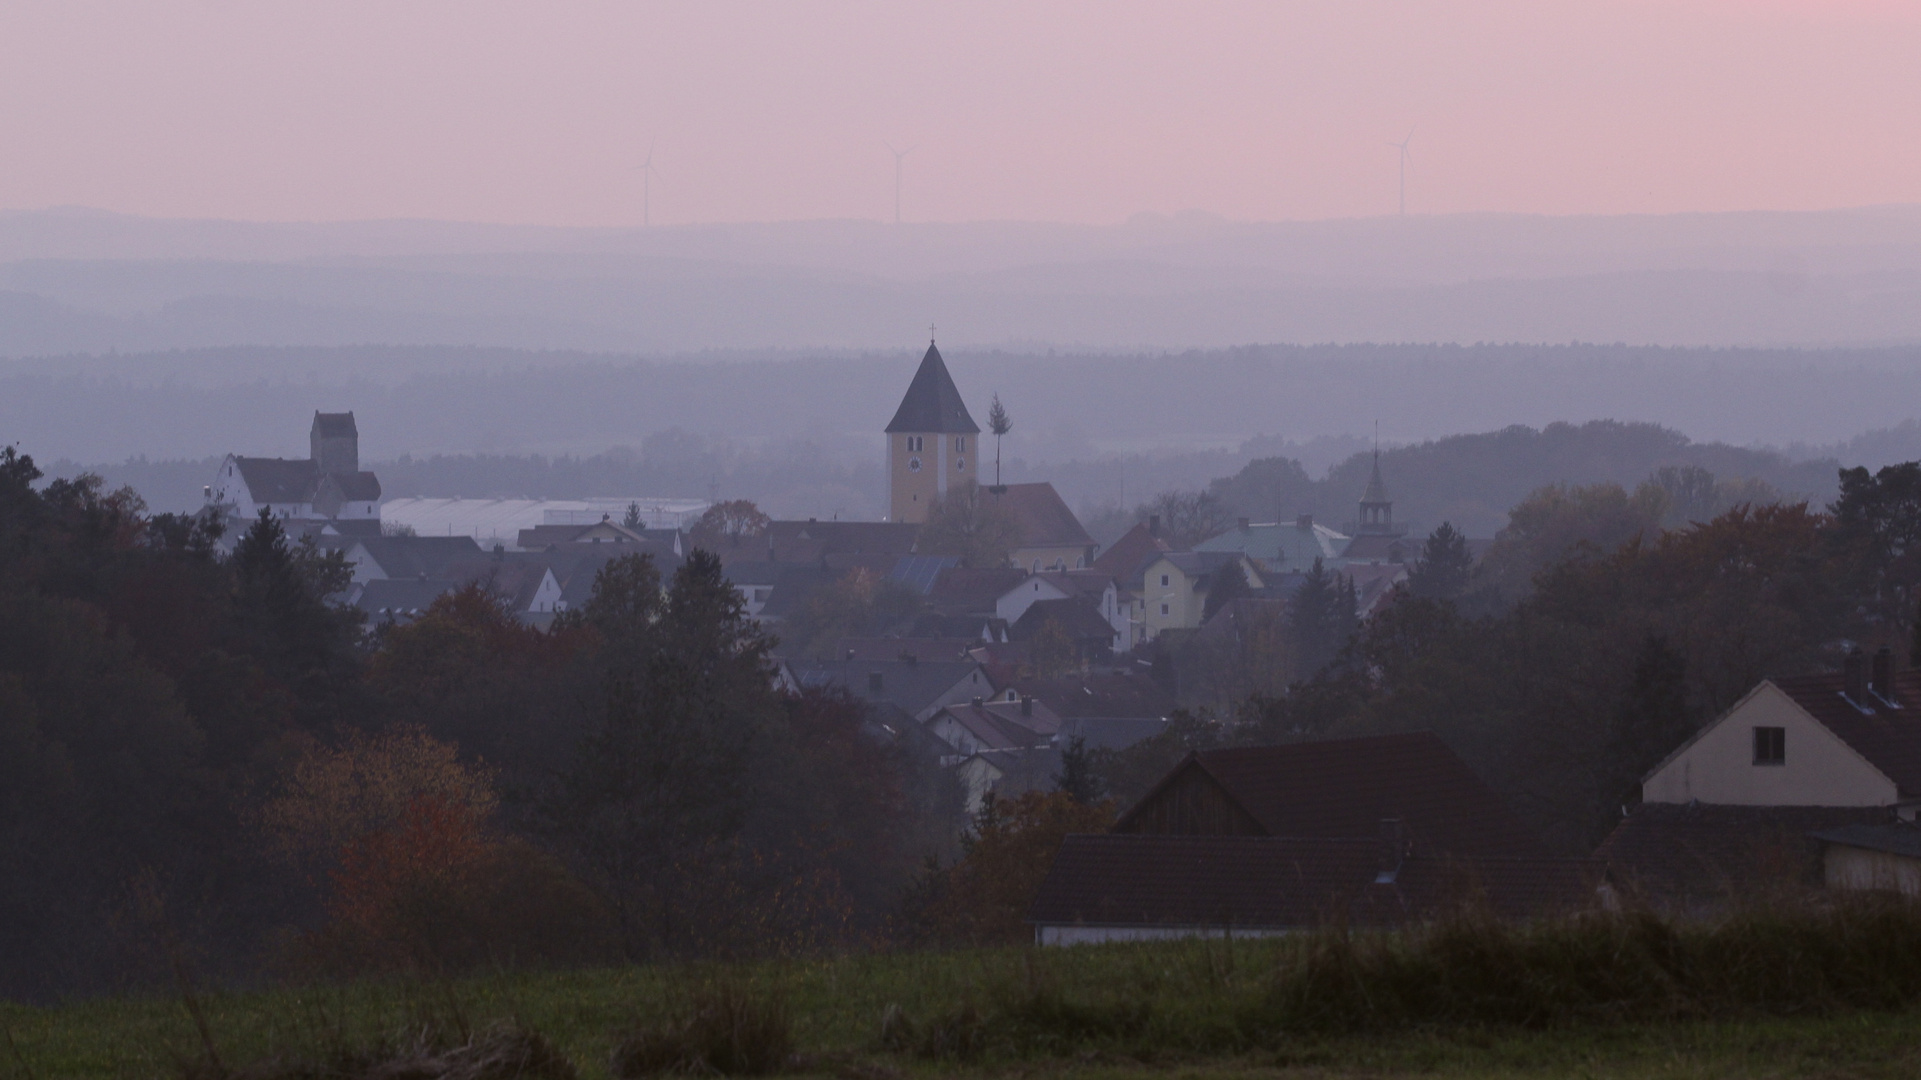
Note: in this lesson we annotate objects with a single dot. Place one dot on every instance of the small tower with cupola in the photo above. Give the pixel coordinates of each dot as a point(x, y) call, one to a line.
point(931, 442)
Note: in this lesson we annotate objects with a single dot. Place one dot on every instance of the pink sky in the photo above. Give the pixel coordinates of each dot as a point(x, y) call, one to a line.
point(1091, 112)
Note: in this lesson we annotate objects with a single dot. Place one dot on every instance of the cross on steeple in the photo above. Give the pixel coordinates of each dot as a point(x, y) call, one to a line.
point(930, 333)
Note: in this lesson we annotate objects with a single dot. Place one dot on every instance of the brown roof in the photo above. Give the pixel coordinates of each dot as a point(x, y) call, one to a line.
point(1002, 727)
point(1129, 555)
point(1103, 694)
point(1888, 734)
point(1117, 879)
point(971, 590)
point(1346, 787)
point(865, 649)
point(1699, 852)
point(1076, 615)
point(1377, 547)
point(1042, 516)
point(844, 537)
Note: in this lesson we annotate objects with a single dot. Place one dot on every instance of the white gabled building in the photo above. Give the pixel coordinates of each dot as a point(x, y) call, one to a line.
point(327, 486)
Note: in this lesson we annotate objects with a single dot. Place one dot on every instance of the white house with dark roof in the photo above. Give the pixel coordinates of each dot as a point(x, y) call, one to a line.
point(327, 487)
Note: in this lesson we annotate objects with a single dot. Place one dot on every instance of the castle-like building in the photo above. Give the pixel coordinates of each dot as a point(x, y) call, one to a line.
point(930, 443)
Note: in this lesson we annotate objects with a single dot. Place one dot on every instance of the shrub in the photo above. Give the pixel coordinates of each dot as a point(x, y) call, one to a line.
point(725, 1029)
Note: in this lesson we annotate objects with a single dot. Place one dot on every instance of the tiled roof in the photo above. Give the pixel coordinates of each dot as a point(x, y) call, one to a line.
point(1900, 838)
point(869, 649)
point(932, 403)
point(1381, 547)
point(1346, 787)
point(847, 537)
point(970, 590)
point(1286, 545)
point(1105, 694)
point(1042, 516)
point(1111, 732)
point(1695, 851)
point(401, 597)
point(914, 687)
point(1120, 880)
point(1002, 728)
point(1888, 736)
point(279, 480)
point(334, 425)
point(412, 556)
point(1075, 615)
point(1130, 554)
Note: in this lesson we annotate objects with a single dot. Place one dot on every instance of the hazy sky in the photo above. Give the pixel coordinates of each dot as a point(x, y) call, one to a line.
point(543, 111)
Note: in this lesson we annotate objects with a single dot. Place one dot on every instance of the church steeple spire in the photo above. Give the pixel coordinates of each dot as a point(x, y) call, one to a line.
point(1377, 510)
point(932, 404)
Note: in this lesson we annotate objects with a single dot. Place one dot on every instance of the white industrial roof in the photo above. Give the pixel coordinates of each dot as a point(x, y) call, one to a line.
point(499, 521)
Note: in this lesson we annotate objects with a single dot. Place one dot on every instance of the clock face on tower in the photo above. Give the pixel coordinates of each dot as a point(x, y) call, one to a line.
point(913, 464)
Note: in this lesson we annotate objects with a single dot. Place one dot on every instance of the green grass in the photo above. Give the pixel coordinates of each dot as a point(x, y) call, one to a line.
point(1125, 1010)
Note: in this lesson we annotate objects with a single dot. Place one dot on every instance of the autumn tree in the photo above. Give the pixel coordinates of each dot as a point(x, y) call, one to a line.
point(969, 523)
point(1187, 517)
point(984, 897)
point(725, 524)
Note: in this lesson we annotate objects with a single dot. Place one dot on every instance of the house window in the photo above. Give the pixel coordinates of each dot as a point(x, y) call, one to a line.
point(1163, 609)
point(1770, 746)
point(1163, 581)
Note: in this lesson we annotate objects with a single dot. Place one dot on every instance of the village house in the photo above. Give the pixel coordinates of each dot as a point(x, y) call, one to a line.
point(1092, 589)
point(326, 493)
point(1050, 536)
point(1806, 780)
point(1175, 585)
point(1263, 840)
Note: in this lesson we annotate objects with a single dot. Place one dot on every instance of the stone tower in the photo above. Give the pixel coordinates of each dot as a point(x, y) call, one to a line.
point(930, 443)
point(335, 442)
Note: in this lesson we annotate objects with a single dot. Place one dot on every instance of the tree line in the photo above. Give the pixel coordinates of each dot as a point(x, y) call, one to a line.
point(204, 761)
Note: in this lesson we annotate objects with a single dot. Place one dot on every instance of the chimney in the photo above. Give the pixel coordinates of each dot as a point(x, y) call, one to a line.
point(1244, 524)
point(1393, 850)
point(1027, 705)
point(1304, 522)
point(1881, 680)
point(1856, 669)
point(873, 682)
point(1153, 524)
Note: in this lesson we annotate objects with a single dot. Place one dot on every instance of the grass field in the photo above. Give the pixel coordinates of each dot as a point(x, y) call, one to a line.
point(1125, 1010)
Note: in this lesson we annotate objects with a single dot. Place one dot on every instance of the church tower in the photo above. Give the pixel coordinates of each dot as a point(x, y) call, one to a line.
point(1377, 510)
point(930, 443)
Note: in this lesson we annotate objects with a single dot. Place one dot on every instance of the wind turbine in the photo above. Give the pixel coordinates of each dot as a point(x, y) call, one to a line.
point(1402, 147)
point(898, 156)
point(646, 169)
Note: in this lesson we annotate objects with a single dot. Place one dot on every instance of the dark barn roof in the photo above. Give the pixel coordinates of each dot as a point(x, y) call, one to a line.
point(1260, 882)
point(932, 403)
point(1696, 852)
point(1347, 787)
